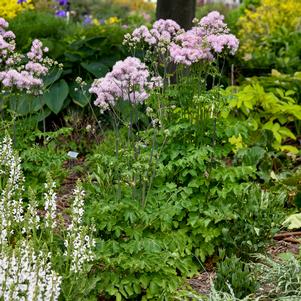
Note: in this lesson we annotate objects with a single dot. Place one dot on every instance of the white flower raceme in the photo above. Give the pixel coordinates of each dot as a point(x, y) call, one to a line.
point(11, 209)
point(50, 205)
point(27, 276)
point(79, 245)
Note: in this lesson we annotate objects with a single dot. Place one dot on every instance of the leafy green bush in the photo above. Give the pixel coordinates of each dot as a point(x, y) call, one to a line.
point(162, 213)
point(31, 25)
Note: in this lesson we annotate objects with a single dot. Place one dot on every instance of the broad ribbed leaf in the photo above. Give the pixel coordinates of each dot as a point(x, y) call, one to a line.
point(56, 95)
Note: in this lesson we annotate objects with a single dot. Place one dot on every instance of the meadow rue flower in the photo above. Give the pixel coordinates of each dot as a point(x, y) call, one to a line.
point(213, 23)
point(129, 80)
point(222, 42)
point(161, 34)
point(207, 39)
point(189, 49)
point(15, 74)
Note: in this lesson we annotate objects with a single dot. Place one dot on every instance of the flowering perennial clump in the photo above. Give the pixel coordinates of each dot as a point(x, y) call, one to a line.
point(10, 8)
point(27, 275)
point(129, 80)
point(208, 38)
point(16, 75)
point(50, 205)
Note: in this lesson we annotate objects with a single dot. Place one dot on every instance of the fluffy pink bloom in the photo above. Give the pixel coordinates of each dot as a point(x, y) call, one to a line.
point(18, 75)
point(36, 51)
point(203, 42)
point(128, 80)
point(36, 68)
point(21, 80)
point(213, 23)
point(224, 41)
point(3, 24)
point(162, 33)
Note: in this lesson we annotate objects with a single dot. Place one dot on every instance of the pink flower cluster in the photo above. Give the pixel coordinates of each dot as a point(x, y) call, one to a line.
point(161, 33)
point(129, 80)
point(213, 23)
point(7, 42)
point(17, 75)
point(208, 38)
point(203, 42)
point(189, 48)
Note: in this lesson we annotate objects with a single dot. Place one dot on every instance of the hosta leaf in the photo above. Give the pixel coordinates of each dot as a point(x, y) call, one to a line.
point(52, 76)
point(56, 95)
point(96, 68)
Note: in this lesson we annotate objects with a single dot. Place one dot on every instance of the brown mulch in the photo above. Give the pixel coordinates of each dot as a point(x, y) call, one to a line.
point(202, 282)
point(64, 195)
point(66, 189)
point(284, 242)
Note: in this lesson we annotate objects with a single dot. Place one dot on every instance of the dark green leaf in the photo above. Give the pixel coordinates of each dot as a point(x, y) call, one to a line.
point(56, 95)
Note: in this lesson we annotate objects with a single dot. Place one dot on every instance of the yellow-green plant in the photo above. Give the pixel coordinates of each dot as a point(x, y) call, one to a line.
point(10, 8)
point(264, 21)
point(270, 111)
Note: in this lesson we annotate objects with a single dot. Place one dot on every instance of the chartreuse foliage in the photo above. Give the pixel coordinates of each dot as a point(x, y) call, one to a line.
point(266, 111)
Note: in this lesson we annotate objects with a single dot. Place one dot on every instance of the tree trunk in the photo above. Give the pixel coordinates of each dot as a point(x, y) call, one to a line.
point(181, 11)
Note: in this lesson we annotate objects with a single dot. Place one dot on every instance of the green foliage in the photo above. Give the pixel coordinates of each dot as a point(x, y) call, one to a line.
point(42, 153)
point(235, 274)
point(194, 202)
point(30, 25)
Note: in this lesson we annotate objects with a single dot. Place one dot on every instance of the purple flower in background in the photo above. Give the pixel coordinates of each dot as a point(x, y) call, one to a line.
point(61, 13)
point(101, 21)
point(22, 1)
point(87, 20)
point(61, 2)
